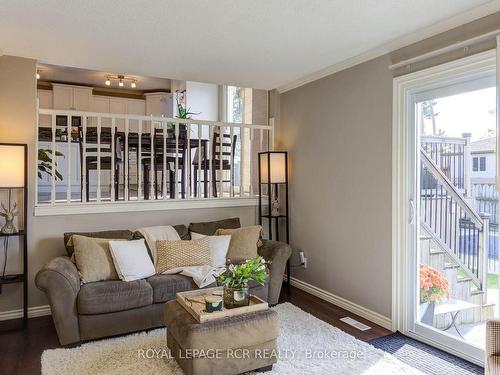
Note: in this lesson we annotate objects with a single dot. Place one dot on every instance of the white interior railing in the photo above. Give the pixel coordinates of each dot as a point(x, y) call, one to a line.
point(116, 158)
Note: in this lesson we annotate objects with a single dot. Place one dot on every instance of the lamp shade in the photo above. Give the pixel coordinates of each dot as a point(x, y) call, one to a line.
point(12, 166)
point(277, 162)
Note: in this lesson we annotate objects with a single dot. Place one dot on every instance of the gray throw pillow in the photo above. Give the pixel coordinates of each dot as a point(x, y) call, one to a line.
point(210, 227)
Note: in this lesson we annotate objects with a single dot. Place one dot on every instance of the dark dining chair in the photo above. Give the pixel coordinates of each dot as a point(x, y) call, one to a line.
point(106, 160)
point(170, 158)
point(220, 155)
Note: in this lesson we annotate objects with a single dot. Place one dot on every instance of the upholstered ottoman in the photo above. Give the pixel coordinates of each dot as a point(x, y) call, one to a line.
point(226, 346)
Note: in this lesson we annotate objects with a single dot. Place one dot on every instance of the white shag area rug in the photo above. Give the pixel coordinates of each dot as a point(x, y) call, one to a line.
point(306, 344)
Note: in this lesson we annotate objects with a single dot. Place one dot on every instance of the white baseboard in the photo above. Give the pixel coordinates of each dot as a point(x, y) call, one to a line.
point(372, 316)
point(33, 312)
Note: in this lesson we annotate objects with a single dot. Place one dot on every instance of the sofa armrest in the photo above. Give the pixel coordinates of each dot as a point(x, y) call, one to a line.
point(278, 253)
point(60, 281)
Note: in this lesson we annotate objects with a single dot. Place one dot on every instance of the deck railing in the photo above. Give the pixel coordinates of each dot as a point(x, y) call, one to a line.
point(451, 156)
point(94, 157)
point(454, 224)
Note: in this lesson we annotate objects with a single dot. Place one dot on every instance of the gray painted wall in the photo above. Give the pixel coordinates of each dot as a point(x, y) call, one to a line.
point(17, 124)
point(338, 133)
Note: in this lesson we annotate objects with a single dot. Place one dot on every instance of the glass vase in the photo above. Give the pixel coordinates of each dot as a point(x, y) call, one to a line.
point(236, 297)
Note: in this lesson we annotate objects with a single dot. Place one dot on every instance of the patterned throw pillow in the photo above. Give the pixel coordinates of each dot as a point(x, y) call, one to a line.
point(175, 254)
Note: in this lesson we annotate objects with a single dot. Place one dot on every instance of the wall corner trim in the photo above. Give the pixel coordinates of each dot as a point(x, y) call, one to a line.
point(364, 312)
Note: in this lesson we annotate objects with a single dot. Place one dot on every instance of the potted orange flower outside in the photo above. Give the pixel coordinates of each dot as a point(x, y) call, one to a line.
point(433, 288)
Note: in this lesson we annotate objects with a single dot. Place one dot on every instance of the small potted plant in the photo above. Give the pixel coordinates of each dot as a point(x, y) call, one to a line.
point(235, 280)
point(433, 289)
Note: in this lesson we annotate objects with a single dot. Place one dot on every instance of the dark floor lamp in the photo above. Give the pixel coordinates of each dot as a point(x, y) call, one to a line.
point(273, 173)
point(13, 178)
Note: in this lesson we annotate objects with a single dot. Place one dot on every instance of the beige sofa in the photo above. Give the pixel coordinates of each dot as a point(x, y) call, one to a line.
point(107, 308)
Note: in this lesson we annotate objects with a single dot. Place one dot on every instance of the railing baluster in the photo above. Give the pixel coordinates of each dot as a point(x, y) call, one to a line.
point(152, 169)
point(164, 126)
point(221, 158)
point(53, 174)
point(252, 158)
point(199, 163)
point(139, 161)
point(176, 177)
point(187, 162)
point(98, 193)
point(113, 150)
point(210, 154)
point(83, 171)
point(231, 162)
point(127, 155)
point(68, 152)
point(242, 158)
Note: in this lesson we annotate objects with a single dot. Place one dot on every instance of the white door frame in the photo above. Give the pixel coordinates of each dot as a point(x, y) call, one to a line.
point(404, 230)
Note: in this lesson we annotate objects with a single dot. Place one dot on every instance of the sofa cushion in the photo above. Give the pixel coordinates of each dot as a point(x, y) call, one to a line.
point(166, 286)
point(181, 230)
point(111, 234)
point(93, 259)
point(210, 227)
point(110, 296)
point(174, 255)
point(244, 243)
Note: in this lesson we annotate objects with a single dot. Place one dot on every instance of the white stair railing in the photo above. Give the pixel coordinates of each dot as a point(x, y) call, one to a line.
point(125, 147)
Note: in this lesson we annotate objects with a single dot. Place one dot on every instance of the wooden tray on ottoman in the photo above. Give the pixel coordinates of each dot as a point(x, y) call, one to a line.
point(194, 302)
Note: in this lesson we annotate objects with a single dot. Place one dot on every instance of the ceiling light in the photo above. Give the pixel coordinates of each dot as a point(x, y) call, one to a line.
point(110, 78)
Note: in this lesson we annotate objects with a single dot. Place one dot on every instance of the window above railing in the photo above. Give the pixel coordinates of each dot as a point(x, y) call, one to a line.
point(104, 162)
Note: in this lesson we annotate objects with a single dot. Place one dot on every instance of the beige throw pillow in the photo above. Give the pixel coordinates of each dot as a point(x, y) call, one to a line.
point(93, 259)
point(244, 243)
point(175, 254)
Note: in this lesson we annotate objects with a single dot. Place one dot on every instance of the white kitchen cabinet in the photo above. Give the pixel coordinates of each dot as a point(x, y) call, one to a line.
point(159, 104)
point(71, 97)
point(136, 107)
point(45, 99)
point(100, 104)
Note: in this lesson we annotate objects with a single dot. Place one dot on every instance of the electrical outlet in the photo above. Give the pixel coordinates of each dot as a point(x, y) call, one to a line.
point(302, 257)
point(305, 262)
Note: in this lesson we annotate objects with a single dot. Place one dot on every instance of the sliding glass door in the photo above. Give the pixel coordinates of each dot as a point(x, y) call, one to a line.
point(451, 256)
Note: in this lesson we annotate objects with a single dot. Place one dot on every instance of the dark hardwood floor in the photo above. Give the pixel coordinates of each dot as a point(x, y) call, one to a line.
point(20, 351)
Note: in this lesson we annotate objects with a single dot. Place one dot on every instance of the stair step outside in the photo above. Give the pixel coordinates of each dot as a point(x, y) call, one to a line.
point(449, 266)
point(436, 252)
point(476, 292)
point(463, 279)
point(425, 237)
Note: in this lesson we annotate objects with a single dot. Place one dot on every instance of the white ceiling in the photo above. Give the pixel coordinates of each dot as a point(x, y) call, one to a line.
point(258, 43)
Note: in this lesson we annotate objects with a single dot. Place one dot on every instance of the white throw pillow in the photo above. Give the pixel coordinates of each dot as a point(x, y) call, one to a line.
point(131, 259)
point(219, 246)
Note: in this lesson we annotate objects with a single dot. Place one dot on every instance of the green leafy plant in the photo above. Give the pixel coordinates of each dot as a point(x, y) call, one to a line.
point(45, 163)
point(238, 276)
point(184, 113)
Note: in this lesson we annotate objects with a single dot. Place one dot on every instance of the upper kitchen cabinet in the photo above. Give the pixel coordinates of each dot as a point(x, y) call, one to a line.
point(45, 99)
point(77, 98)
point(159, 104)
